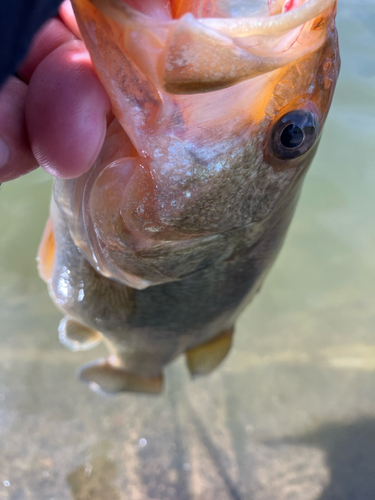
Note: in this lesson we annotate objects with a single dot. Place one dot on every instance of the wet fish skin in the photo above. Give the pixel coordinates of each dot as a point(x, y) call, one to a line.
point(164, 280)
point(163, 321)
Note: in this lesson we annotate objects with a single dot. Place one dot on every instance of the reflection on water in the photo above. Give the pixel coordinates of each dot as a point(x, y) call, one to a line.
point(289, 415)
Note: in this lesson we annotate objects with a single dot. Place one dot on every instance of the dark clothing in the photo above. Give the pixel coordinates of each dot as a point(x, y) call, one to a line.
point(19, 21)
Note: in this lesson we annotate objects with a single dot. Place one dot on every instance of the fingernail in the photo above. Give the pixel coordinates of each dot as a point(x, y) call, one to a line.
point(4, 153)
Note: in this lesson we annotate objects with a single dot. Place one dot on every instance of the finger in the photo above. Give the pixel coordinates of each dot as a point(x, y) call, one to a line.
point(66, 112)
point(16, 157)
point(67, 15)
point(53, 34)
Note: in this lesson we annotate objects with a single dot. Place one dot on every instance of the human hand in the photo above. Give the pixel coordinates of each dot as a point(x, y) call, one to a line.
point(54, 113)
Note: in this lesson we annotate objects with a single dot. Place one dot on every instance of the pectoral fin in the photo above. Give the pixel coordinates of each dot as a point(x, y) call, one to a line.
point(203, 359)
point(103, 377)
point(76, 336)
point(46, 253)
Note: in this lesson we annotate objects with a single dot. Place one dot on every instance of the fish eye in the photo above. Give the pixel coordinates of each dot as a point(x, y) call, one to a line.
point(294, 134)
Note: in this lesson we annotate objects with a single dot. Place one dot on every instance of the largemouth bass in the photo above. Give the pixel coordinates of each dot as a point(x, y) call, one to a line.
point(218, 108)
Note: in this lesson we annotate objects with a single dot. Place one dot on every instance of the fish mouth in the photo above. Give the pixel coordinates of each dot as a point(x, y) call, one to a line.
point(203, 46)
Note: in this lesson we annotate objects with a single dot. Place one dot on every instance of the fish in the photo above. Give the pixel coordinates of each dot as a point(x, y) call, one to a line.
point(217, 112)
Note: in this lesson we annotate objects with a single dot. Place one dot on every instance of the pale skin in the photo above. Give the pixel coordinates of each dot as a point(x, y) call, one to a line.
point(54, 105)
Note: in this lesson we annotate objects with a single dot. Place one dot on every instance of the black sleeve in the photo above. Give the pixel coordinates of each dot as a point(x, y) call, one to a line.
point(19, 21)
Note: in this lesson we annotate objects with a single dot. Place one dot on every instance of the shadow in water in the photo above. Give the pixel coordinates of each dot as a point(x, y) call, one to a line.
point(92, 481)
point(216, 456)
point(182, 484)
point(350, 458)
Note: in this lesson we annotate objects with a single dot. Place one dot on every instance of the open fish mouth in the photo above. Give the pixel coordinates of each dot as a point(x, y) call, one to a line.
point(215, 44)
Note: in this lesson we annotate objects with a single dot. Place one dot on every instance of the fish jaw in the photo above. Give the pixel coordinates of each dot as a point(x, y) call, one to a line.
point(194, 158)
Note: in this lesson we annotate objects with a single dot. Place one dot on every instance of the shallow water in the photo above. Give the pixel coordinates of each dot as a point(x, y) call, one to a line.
point(289, 415)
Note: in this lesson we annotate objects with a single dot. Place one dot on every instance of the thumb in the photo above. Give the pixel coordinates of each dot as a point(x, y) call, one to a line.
point(66, 111)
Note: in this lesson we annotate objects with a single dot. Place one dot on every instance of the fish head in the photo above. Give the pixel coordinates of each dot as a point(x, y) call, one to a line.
point(216, 120)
